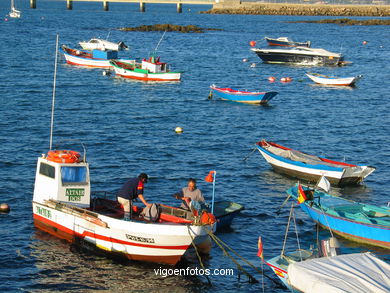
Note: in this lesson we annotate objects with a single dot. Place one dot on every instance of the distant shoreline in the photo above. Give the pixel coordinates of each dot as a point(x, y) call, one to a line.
point(237, 7)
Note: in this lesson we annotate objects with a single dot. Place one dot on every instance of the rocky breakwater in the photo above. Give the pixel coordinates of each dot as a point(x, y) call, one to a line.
point(237, 7)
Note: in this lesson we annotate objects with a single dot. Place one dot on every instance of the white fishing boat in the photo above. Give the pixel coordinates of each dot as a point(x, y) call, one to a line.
point(101, 44)
point(14, 13)
point(63, 206)
point(150, 69)
point(337, 81)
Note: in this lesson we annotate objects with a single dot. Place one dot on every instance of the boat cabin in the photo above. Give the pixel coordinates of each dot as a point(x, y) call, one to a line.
point(154, 65)
point(63, 176)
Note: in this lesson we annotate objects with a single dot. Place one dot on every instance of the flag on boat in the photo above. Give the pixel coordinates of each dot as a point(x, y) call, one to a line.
point(301, 194)
point(324, 184)
point(210, 176)
point(260, 247)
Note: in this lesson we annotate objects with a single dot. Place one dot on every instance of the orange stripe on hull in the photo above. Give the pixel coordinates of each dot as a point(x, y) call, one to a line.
point(146, 78)
point(68, 234)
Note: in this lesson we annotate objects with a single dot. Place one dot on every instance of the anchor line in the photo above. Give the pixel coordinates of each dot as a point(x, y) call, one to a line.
point(249, 154)
point(220, 243)
point(197, 253)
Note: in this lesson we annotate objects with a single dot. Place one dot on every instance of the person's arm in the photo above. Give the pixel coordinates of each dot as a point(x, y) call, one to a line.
point(201, 197)
point(179, 195)
point(141, 197)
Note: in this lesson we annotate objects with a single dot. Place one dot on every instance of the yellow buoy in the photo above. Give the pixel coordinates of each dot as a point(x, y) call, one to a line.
point(4, 208)
point(179, 129)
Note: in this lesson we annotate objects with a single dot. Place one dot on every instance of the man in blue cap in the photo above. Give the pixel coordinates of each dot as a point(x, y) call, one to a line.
point(132, 189)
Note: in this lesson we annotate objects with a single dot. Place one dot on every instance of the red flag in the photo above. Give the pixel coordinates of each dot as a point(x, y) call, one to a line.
point(260, 251)
point(301, 194)
point(209, 177)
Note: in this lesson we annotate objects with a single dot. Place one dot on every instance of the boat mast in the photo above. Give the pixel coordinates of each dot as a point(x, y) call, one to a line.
point(158, 44)
point(54, 96)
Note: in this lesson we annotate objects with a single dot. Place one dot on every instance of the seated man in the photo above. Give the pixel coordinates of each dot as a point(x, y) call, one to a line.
point(133, 188)
point(189, 193)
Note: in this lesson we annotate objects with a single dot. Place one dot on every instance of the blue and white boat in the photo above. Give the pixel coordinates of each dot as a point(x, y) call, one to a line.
point(309, 167)
point(234, 95)
point(359, 222)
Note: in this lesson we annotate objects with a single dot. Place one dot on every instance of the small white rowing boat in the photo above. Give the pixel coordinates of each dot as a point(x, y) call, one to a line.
point(342, 81)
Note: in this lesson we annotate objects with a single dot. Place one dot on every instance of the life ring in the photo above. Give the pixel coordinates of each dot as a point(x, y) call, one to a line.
point(63, 156)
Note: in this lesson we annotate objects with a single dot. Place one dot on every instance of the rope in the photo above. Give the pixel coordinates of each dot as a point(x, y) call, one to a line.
point(296, 233)
point(249, 154)
point(197, 253)
point(219, 242)
point(287, 228)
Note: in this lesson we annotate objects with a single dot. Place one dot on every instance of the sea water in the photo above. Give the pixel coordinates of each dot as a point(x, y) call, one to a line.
point(128, 128)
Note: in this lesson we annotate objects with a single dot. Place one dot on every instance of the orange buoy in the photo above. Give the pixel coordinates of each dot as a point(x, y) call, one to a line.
point(252, 43)
point(63, 156)
point(364, 42)
point(4, 208)
point(286, 79)
point(271, 79)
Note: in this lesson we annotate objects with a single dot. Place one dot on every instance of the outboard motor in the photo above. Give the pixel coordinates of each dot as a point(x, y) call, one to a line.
point(330, 247)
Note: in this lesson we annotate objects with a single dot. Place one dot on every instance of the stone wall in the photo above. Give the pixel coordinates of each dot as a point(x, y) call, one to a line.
point(238, 7)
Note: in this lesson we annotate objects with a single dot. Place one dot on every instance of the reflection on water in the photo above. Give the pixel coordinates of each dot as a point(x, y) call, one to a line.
point(67, 267)
point(335, 87)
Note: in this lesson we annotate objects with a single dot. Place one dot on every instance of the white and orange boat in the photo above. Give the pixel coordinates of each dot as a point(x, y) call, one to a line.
point(63, 206)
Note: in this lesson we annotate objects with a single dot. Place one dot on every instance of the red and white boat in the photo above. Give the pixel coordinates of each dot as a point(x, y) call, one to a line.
point(149, 70)
point(63, 207)
point(96, 58)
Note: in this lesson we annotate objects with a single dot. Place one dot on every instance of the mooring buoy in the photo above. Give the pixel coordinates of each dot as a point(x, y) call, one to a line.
point(4, 208)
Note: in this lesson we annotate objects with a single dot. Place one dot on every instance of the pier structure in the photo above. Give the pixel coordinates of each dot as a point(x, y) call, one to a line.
point(289, 7)
point(142, 3)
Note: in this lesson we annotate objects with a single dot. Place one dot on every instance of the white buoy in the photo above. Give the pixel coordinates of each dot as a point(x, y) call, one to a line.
point(179, 129)
point(245, 60)
point(4, 208)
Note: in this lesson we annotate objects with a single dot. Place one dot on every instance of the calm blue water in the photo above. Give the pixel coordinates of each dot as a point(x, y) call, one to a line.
point(128, 128)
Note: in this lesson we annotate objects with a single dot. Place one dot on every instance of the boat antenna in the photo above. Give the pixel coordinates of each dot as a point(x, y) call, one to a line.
point(159, 42)
point(54, 95)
